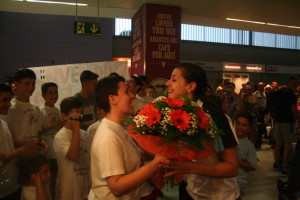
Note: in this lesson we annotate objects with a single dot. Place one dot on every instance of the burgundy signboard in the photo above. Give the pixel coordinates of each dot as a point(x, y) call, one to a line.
point(137, 43)
point(160, 40)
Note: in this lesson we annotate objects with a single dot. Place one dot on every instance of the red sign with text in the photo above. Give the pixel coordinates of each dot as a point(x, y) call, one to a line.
point(156, 40)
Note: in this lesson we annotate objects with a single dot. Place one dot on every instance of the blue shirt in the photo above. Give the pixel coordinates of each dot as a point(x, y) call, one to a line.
point(246, 152)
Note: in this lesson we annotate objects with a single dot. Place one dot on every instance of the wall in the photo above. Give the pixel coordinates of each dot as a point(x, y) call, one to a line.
point(31, 40)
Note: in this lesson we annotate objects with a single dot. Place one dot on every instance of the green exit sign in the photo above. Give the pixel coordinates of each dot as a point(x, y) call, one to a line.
point(87, 28)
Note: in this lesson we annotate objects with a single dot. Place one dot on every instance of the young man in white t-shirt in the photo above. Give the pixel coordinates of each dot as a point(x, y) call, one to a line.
point(10, 190)
point(116, 169)
point(23, 117)
point(51, 123)
point(72, 153)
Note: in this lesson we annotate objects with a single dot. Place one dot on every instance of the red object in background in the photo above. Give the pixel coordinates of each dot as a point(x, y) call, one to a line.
point(155, 40)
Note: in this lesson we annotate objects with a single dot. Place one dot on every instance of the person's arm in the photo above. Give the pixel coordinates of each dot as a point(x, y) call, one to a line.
point(74, 148)
point(122, 184)
point(250, 162)
point(246, 165)
point(227, 167)
point(40, 192)
point(295, 112)
point(73, 151)
point(55, 124)
point(28, 147)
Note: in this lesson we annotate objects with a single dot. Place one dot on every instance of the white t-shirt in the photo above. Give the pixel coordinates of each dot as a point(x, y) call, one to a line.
point(91, 131)
point(73, 177)
point(29, 192)
point(113, 153)
point(145, 99)
point(138, 104)
point(24, 120)
point(48, 116)
point(3, 117)
point(8, 171)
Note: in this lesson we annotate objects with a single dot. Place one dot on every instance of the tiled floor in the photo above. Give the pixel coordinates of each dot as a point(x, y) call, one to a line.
point(261, 183)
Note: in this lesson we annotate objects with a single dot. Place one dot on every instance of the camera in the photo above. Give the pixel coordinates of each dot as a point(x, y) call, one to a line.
point(83, 118)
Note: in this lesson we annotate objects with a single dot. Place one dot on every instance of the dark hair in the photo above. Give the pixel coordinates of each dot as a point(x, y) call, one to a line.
point(113, 74)
point(88, 75)
point(105, 87)
point(247, 116)
point(5, 88)
point(221, 81)
point(24, 73)
point(208, 87)
point(138, 81)
point(67, 104)
point(46, 86)
point(215, 100)
point(230, 84)
point(194, 73)
point(144, 78)
point(29, 164)
point(151, 87)
point(293, 78)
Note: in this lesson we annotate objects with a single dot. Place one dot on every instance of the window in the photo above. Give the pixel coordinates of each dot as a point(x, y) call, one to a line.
point(222, 35)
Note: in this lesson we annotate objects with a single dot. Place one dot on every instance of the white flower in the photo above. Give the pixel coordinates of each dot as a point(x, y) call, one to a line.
point(160, 98)
point(140, 120)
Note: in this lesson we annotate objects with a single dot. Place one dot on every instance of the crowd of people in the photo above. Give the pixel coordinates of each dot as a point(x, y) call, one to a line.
point(82, 150)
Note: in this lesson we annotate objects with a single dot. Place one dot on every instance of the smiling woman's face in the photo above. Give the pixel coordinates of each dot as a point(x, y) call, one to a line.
point(177, 85)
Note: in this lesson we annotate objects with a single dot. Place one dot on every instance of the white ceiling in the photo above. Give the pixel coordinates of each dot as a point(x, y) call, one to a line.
point(199, 12)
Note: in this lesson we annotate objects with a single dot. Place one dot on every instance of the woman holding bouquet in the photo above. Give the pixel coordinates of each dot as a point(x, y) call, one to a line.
point(115, 159)
point(204, 181)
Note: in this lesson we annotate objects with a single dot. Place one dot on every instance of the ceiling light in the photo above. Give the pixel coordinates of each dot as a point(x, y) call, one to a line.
point(253, 68)
point(232, 67)
point(241, 20)
point(283, 25)
point(55, 2)
point(255, 22)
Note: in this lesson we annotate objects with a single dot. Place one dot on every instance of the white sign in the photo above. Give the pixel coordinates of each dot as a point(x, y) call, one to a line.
point(67, 77)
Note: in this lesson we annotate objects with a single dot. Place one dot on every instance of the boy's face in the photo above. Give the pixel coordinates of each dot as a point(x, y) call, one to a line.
point(151, 92)
point(45, 173)
point(132, 86)
point(242, 126)
point(90, 85)
point(124, 99)
point(73, 113)
point(5, 98)
point(51, 95)
point(25, 87)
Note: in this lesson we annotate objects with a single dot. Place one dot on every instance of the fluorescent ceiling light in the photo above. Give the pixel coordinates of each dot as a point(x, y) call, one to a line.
point(283, 25)
point(265, 23)
point(232, 67)
point(241, 20)
point(254, 68)
point(55, 2)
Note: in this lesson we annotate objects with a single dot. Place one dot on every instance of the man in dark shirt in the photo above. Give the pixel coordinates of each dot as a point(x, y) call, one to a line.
point(285, 116)
point(88, 81)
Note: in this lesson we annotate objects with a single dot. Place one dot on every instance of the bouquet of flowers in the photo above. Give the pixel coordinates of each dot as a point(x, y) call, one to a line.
point(176, 128)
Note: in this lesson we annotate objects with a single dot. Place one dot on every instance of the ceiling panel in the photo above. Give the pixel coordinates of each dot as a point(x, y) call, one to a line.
point(199, 12)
